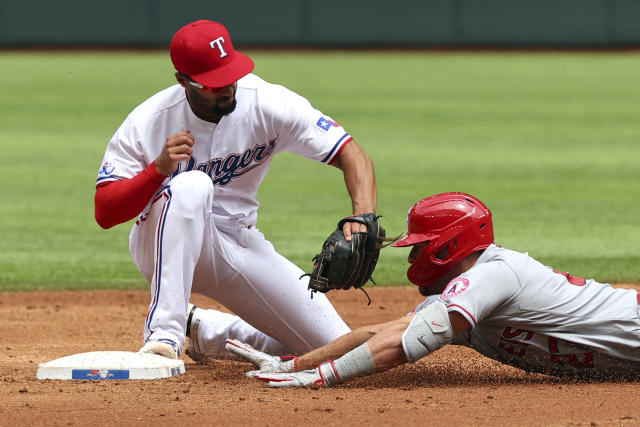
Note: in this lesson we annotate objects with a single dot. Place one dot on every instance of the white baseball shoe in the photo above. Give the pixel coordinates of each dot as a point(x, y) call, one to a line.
point(193, 323)
point(164, 348)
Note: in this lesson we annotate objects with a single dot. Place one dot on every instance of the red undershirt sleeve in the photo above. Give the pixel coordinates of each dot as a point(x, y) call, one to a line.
point(119, 201)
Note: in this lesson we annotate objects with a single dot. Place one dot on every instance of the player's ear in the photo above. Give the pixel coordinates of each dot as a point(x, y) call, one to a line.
point(181, 79)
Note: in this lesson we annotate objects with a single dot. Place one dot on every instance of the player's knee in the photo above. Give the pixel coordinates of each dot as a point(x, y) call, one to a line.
point(191, 189)
point(196, 181)
point(429, 330)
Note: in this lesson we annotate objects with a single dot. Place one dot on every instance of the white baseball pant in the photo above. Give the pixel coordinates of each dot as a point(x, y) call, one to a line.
point(178, 249)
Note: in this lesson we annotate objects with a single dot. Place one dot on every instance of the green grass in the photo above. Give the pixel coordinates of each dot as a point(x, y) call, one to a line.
point(550, 141)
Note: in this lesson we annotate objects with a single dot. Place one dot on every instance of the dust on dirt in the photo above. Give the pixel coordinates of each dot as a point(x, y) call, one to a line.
point(454, 386)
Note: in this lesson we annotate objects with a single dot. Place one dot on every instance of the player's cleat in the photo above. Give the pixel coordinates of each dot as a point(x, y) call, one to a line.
point(164, 348)
point(193, 323)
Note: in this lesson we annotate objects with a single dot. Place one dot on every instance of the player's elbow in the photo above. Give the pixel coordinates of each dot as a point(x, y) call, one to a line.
point(102, 218)
point(102, 211)
point(103, 221)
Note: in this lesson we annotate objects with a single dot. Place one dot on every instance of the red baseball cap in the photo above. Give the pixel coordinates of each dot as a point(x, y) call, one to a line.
point(203, 51)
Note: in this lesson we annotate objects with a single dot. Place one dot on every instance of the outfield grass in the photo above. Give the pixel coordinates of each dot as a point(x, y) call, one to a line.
point(549, 141)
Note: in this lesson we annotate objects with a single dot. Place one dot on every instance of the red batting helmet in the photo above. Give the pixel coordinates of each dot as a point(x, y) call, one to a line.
point(456, 221)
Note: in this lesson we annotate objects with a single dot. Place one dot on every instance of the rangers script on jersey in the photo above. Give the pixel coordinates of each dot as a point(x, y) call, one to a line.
point(235, 153)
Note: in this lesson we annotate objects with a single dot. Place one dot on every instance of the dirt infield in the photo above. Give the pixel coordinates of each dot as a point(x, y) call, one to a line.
point(454, 386)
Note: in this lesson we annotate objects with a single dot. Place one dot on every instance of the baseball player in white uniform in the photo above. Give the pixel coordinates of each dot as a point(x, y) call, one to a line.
point(503, 303)
point(188, 163)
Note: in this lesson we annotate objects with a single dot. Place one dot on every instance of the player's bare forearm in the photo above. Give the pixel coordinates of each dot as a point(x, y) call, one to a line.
point(338, 347)
point(359, 178)
point(386, 346)
point(360, 181)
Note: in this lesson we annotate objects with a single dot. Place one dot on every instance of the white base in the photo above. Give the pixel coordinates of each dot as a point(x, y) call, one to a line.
point(110, 365)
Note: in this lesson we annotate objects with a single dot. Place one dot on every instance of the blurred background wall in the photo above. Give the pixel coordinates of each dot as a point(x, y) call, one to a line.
point(342, 23)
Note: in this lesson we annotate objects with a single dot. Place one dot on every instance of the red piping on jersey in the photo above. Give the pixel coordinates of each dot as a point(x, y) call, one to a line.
point(638, 299)
point(340, 150)
point(119, 201)
point(463, 309)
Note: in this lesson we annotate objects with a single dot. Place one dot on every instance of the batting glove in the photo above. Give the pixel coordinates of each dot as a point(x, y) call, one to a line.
point(325, 374)
point(265, 363)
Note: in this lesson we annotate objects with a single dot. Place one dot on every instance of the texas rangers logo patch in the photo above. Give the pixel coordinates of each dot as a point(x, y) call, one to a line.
point(326, 124)
point(106, 169)
point(455, 287)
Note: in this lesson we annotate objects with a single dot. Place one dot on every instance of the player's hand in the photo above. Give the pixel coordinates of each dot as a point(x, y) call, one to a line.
point(308, 378)
point(265, 363)
point(353, 227)
point(323, 375)
point(178, 148)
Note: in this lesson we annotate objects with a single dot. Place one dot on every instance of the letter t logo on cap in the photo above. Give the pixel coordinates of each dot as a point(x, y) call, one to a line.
point(217, 43)
point(203, 50)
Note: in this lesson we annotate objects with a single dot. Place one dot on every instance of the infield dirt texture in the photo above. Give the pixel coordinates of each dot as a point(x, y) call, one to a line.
point(454, 386)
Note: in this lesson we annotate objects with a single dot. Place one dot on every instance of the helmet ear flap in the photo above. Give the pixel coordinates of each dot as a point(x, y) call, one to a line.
point(445, 251)
point(458, 224)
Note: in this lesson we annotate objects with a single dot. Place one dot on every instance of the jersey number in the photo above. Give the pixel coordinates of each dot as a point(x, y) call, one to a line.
point(509, 344)
point(579, 360)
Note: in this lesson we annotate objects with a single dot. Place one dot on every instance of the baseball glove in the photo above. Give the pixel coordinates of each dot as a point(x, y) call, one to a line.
point(342, 264)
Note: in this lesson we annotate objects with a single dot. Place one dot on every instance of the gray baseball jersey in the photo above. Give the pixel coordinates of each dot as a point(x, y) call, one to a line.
point(527, 315)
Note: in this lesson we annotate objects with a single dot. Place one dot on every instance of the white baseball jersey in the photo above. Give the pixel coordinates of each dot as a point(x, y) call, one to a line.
point(236, 152)
point(527, 315)
point(198, 232)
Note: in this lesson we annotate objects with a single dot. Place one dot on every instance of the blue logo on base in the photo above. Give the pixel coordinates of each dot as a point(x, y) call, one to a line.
point(100, 374)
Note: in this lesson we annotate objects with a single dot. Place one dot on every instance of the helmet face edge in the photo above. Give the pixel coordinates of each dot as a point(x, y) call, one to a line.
point(458, 221)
